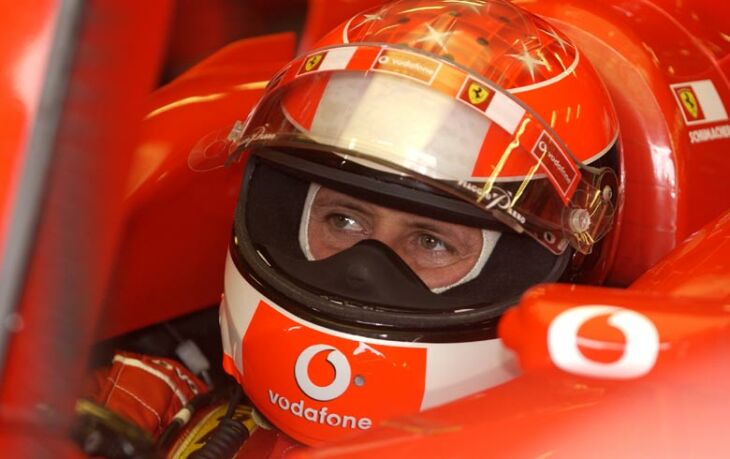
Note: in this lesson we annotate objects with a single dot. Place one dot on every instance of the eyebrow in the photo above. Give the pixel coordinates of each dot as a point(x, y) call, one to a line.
point(347, 204)
point(428, 226)
point(418, 221)
point(443, 230)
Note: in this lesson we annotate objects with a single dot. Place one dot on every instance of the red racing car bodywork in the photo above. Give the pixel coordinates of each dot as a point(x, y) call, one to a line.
point(123, 223)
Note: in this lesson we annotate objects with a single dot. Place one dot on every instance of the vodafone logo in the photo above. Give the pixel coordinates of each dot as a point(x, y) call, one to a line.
point(339, 362)
point(640, 351)
point(338, 386)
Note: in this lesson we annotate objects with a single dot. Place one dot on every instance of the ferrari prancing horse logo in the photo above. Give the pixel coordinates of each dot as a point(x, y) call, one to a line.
point(313, 62)
point(477, 93)
point(687, 96)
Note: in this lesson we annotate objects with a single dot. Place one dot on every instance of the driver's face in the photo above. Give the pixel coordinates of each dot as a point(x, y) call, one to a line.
point(440, 253)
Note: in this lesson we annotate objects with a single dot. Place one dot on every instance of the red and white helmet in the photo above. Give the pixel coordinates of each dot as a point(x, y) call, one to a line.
point(472, 112)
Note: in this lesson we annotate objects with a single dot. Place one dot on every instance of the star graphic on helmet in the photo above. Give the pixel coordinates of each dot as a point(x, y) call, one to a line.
point(561, 41)
point(369, 18)
point(440, 38)
point(373, 17)
point(530, 61)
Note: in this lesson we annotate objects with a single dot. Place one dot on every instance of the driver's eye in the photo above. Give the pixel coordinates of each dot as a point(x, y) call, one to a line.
point(430, 242)
point(344, 222)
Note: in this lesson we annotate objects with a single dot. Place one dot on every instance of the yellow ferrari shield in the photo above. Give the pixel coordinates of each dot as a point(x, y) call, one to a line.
point(312, 62)
point(477, 93)
point(687, 96)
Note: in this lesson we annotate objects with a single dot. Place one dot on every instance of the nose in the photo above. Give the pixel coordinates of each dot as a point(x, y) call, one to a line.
point(358, 277)
point(388, 231)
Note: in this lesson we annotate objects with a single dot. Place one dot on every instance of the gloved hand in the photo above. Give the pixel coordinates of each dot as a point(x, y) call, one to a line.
point(148, 391)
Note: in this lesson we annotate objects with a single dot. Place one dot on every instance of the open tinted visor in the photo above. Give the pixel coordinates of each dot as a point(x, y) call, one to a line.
point(368, 282)
point(411, 114)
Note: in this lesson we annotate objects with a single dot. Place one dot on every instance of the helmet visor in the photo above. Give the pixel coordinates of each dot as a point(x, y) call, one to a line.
point(416, 116)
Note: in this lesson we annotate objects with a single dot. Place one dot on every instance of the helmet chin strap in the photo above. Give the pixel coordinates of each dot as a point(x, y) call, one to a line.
point(489, 241)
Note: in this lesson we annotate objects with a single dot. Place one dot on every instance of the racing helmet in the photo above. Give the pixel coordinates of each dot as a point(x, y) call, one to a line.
point(473, 113)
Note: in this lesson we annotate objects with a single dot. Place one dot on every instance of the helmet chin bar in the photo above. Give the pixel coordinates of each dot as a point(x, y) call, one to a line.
point(363, 320)
point(369, 272)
